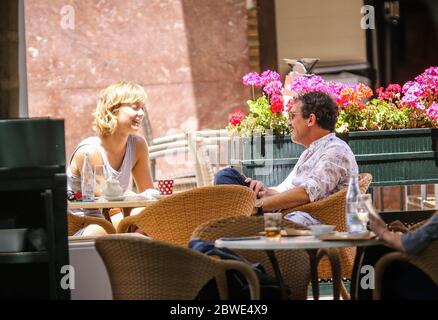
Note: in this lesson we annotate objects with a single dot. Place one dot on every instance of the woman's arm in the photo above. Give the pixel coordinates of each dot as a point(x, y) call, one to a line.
point(78, 161)
point(141, 171)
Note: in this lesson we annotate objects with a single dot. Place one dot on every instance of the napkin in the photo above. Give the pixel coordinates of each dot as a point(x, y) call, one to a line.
point(301, 217)
point(150, 194)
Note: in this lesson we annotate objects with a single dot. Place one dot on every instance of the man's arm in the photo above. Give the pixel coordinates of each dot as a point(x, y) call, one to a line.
point(416, 241)
point(378, 226)
point(284, 200)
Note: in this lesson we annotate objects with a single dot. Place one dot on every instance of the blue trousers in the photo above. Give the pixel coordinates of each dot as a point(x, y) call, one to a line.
point(230, 176)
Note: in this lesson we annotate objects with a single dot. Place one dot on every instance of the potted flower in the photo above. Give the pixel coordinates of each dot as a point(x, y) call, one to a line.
point(393, 135)
point(266, 123)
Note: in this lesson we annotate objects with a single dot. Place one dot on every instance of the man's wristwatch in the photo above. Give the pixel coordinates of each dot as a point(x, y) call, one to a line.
point(259, 206)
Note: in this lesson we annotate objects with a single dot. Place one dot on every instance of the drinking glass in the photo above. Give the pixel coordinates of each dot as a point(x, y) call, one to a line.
point(364, 208)
point(100, 178)
point(273, 224)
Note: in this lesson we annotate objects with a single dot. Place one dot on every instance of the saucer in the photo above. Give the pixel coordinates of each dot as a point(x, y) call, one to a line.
point(118, 198)
point(161, 196)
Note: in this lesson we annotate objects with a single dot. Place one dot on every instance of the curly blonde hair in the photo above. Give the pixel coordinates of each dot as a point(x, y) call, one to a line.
point(110, 100)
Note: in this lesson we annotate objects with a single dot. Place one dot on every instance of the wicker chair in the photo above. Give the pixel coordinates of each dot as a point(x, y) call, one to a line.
point(331, 210)
point(173, 219)
point(294, 265)
point(76, 223)
point(426, 261)
point(141, 268)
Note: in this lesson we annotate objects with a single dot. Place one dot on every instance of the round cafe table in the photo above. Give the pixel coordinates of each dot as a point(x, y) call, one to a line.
point(126, 205)
point(308, 243)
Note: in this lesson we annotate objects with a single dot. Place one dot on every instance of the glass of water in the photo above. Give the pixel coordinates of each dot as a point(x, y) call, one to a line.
point(364, 208)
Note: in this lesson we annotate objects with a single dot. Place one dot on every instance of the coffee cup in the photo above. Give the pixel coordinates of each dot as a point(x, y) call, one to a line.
point(165, 186)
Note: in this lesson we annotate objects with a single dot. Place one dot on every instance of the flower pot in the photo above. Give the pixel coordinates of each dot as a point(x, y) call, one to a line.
point(393, 157)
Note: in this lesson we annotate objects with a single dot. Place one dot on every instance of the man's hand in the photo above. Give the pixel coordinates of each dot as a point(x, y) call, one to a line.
point(398, 226)
point(393, 239)
point(256, 186)
point(377, 225)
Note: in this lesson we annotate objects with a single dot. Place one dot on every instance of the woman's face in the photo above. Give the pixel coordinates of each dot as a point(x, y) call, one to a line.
point(130, 117)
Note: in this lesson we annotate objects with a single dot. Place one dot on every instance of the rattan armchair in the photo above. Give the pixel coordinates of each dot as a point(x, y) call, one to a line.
point(173, 219)
point(294, 265)
point(331, 210)
point(76, 223)
point(426, 261)
point(141, 268)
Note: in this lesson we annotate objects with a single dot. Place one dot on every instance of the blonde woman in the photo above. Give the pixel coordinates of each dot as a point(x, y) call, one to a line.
point(117, 121)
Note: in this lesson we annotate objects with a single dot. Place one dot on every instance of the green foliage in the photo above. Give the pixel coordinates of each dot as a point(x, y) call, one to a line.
point(381, 115)
point(261, 120)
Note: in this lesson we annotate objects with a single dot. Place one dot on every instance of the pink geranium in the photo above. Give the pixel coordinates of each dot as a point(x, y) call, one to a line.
point(432, 111)
point(422, 92)
point(343, 94)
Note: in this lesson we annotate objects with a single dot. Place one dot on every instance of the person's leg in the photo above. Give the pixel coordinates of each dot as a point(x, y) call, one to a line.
point(230, 176)
point(93, 230)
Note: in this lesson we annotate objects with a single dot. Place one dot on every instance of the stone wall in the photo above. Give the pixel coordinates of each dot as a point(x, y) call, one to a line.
point(190, 56)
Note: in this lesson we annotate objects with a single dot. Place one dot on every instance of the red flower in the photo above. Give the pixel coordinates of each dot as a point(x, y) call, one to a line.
point(78, 195)
point(236, 118)
point(391, 92)
point(277, 104)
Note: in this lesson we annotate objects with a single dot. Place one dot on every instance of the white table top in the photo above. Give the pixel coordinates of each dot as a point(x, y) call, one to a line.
point(102, 203)
point(302, 242)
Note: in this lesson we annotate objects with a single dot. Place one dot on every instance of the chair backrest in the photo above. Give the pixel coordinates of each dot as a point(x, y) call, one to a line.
point(293, 263)
point(141, 268)
point(173, 219)
point(331, 210)
point(207, 150)
point(210, 152)
point(426, 261)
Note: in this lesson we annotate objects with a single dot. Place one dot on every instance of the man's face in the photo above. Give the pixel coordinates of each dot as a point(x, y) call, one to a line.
point(297, 124)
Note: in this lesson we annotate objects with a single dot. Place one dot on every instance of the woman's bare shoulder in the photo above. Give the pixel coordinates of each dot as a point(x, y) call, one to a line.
point(79, 156)
point(140, 142)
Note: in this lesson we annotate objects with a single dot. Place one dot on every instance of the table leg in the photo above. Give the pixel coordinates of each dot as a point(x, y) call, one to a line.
point(277, 271)
point(312, 253)
point(355, 276)
point(126, 212)
point(105, 212)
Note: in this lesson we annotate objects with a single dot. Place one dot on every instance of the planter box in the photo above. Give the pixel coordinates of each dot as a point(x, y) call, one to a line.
point(393, 157)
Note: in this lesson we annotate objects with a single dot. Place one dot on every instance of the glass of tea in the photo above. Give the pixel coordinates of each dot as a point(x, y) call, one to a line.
point(272, 224)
